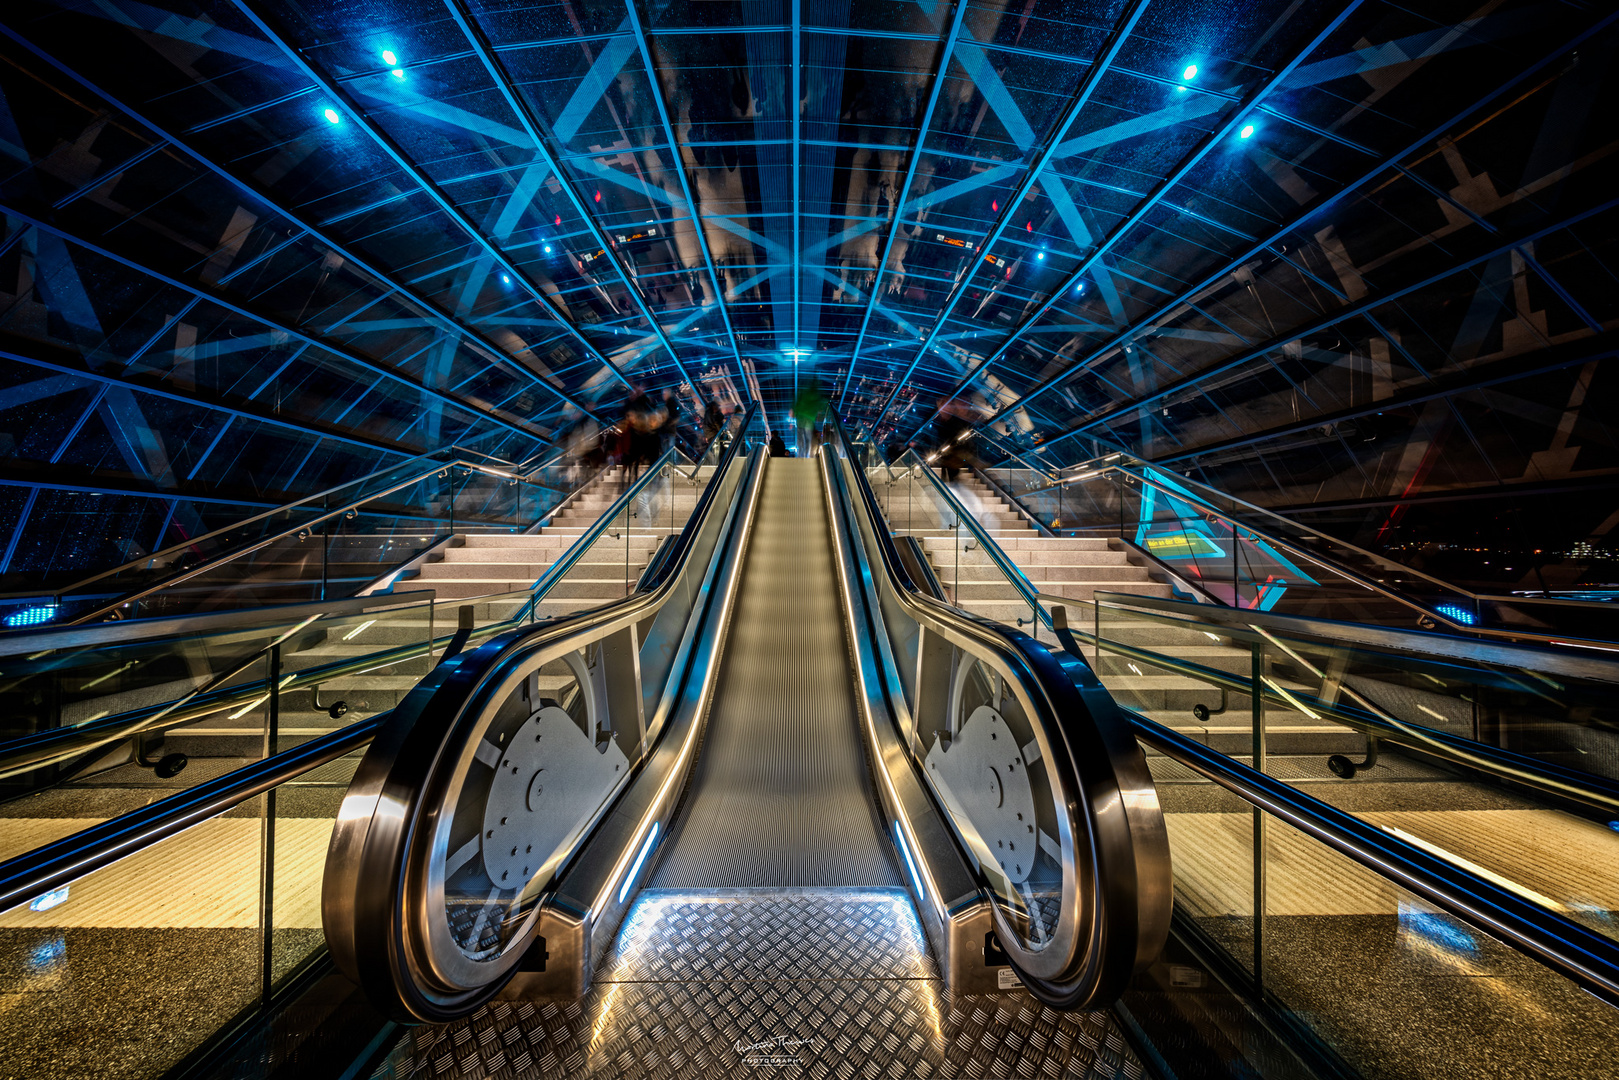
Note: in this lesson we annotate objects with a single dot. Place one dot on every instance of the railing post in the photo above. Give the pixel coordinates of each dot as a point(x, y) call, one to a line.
point(1257, 702)
point(267, 847)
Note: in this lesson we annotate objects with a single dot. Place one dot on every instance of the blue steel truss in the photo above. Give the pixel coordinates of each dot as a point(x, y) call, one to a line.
point(1360, 249)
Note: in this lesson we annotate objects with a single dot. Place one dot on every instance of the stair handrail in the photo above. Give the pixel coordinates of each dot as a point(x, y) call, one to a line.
point(1579, 954)
point(1003, 562)
point(1138, 471)
point(438, 468)
point(57, 744)
point(1367, 716)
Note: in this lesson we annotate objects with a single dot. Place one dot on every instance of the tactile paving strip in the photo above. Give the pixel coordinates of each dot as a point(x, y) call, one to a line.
point(803, 983)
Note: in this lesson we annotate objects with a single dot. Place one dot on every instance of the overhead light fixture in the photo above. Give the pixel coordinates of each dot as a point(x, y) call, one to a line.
point(505, 279)
point(1247, 130)
point(389, 58)
point(333, 116)
point(1190, 73)
point(398, 73)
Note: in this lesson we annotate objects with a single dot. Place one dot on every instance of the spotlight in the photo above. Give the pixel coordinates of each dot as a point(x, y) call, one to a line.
point(333, 116)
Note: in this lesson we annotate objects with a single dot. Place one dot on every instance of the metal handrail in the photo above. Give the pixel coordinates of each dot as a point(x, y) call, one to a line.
point(43, 869)
point(128, 631)
point(1581, 955)
point(1003, 562)
point(209, 565)
point(1371, 719)
point(1111, 464)
point(1579, 665)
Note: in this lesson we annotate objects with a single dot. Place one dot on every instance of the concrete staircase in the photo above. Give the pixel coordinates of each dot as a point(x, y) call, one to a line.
point(477, 569)
point(1078, 568)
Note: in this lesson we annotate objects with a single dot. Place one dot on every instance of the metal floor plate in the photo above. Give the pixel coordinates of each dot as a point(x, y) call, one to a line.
point(733, 983)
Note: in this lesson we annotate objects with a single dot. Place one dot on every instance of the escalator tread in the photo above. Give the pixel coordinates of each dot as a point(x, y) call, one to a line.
point(781, 795)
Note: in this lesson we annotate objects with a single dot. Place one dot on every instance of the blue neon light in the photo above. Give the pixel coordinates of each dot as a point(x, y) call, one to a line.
point(629, 879)
point(1457, 614)
point(33, 616)
point(916, 878)
point(1439, 931)
point(49, 900)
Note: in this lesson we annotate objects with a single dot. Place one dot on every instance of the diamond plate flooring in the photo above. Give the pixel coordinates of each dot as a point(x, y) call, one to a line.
point(784, 982)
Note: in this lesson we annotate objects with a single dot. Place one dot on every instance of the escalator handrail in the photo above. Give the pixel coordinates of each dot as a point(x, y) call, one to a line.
point(361, 902)
point(43, 869)
point(1136, 882)
point(1582, 955)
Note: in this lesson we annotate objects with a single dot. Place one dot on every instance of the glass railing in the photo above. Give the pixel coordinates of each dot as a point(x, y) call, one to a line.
point(1501, 758)
point(206, 686)
point(976, 572)
point(1490, 765)
point(329, 545)
point(532, 737)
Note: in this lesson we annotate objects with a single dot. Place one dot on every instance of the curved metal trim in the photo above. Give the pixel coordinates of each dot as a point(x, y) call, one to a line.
point(378, 865)
point(1126, 880)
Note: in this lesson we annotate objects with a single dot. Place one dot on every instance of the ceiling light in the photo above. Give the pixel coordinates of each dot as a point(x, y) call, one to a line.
point(389, 58)
point(506, 279)
point(332, 116)
point(398, 73)
point(1247, 130)
point(1190, 73)
point(548, 249)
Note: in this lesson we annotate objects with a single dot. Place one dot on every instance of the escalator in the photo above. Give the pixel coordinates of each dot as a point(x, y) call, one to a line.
point(783, 808)
point(776, 835)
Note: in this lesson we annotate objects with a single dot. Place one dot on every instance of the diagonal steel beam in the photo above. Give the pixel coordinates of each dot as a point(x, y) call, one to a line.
point(1081, 97)
point(1205, 146)
point(392, 149)
point(320, 342)
point(526, 116)
point(656, 90)
point(213, 404)
point(1577, 353)
point(449, 323)
point(1186, 296)
point(939, 73)
point(1316, 326)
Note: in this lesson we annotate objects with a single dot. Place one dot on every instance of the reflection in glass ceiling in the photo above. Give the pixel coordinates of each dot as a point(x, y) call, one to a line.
point(1343, 253)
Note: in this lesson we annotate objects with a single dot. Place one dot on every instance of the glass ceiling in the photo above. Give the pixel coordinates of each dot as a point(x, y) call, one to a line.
point(252, 248)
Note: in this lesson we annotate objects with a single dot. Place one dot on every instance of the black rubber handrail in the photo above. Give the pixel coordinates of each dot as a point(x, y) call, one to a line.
point(56, 864)
point(1581, 955)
